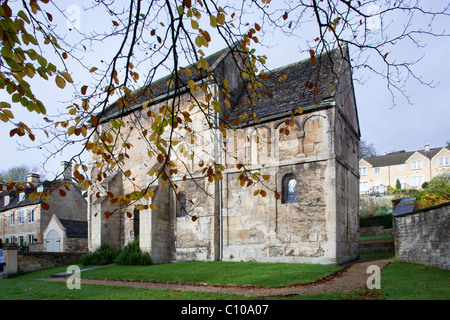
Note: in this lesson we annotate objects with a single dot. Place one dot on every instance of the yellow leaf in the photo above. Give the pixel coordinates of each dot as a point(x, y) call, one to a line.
point(60, 82)
point(266, 176)
point(71, 130)
point(152, 207)
point(85, 185)
point(8, 114)
point(194, 24)
point(93, 69)
point(213, 21)
point(67, 76)
point(128, 173)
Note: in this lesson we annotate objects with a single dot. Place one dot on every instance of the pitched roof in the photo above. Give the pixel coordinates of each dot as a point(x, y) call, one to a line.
point(160, 87)
point(296, 90)
point(14, 199)
point(400, 157)
point(280, 95)
point(74, 228)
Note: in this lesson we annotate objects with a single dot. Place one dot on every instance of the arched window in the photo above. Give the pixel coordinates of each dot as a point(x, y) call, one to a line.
point(181, 205)
point(289, 189)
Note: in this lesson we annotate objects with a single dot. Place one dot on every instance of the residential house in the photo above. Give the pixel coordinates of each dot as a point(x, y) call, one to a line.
point(26, 223)
point(314, 168)
point(411, 168)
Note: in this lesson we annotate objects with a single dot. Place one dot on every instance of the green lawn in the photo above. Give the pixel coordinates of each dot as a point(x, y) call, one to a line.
point(382, 237)
point(217, 272)
point(399, 281)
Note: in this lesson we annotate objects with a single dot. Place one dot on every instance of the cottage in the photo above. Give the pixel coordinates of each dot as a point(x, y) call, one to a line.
point(26, 223)
point(311, 159)
point(410, 168)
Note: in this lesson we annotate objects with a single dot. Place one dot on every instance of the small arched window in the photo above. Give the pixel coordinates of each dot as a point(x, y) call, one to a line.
point(289, 189)
point(181, 206)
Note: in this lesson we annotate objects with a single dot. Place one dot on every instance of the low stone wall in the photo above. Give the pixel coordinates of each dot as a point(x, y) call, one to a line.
point(423, 237)
point(33, 261)
point(375, 231)
point(375, 246)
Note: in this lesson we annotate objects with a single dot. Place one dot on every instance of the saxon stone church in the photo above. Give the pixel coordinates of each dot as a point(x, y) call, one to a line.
point(311, 159)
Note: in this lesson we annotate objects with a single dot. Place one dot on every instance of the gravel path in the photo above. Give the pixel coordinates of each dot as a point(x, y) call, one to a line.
point(350, 278)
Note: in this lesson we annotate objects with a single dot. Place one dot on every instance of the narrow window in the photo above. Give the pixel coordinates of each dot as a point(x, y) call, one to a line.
point(289, 188)
point(30, 215)
point(12, 219)
point(20, 217)
point(181, 206)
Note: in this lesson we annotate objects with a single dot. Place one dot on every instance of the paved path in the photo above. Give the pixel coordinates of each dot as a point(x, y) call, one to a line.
point(350, 278)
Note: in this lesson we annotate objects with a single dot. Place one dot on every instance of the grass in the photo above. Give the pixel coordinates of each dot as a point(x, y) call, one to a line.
point(399, 281)
point(217, 272)
point(381, 237)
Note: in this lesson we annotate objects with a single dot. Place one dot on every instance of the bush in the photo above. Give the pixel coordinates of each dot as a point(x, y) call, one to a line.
point(132, 255)
point(382, 220)
point(105, 254)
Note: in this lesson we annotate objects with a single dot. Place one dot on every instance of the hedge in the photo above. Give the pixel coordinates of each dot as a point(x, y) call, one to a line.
point(373, 221)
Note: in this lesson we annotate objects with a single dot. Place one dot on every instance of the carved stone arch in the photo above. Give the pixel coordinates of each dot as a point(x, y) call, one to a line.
point(185, 161)
point(314, 130)
point(239, 148)
point(287, 146)
point(260, 144)
point(309, 117)
point(277, 124)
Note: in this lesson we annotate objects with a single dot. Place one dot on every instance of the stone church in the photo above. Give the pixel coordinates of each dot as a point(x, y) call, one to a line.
point(313, 169)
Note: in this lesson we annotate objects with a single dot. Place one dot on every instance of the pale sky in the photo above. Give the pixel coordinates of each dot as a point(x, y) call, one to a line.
point(389, 127)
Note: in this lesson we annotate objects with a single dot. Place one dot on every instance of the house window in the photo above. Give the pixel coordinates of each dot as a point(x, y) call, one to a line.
point(20, 216)
point(12, 218)
point(12, 239)
point(30, 214)
point(6, 200)
point(30, 239)
point(363, 186)
point(21, 196)
point(377, 170)
point(416, 165)
point(363, 171)
point(416, 181)
point(443, 162)
point(289, 188)
point(181, 207)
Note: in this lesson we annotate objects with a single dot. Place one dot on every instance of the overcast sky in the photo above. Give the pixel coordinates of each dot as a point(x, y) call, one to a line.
point(389, 127)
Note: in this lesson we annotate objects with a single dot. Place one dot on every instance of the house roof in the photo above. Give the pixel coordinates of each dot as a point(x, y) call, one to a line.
point(74, 228)
point(280, 95)
point(14, 199)
point(400, 157)
point(296, 90)
point(160, 87)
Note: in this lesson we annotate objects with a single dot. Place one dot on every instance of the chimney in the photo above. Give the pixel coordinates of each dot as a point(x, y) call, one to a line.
point(67, 170)
point(427, 147)
point(33, 178)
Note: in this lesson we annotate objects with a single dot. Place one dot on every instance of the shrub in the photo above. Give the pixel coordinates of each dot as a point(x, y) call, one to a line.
point(132, 255)
point(382, 220)
point(398, 184)
point(105, 254)
point(383, 210)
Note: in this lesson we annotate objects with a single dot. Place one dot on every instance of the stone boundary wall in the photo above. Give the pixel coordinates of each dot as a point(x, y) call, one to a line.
point(375, 231)
point(33, 261)
point(423, 237)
